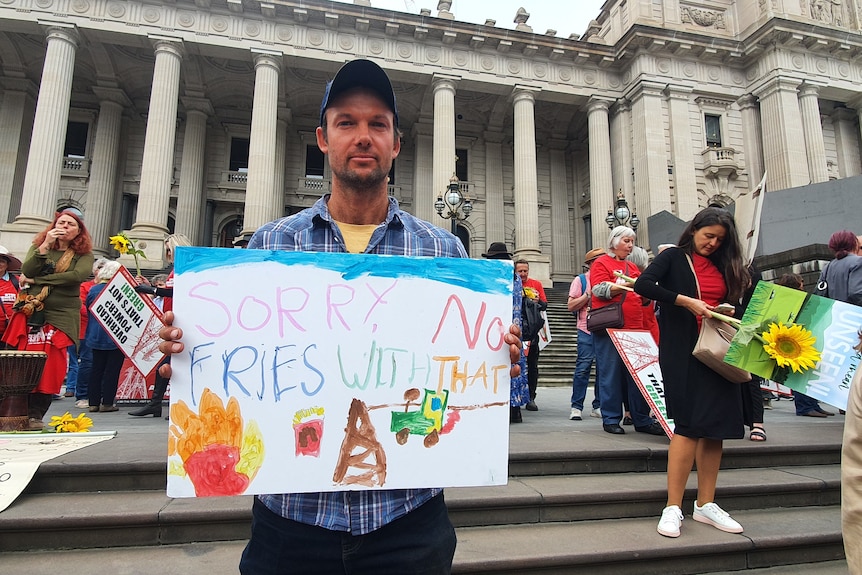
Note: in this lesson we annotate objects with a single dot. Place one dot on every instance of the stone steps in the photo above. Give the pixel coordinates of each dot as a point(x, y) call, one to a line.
point(773, 537)
point(577, 499)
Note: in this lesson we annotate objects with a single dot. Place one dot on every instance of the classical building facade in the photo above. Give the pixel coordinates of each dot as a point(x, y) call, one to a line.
point(198, 116)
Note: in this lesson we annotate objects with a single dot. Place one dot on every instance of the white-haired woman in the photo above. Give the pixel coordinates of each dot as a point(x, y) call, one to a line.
point(107, 357)
point(614, 381)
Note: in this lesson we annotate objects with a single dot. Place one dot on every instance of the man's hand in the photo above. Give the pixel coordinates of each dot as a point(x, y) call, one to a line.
point(171, 344)
point(513, 338)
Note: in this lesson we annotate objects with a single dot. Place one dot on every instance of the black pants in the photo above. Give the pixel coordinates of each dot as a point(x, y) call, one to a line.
point(533, 368)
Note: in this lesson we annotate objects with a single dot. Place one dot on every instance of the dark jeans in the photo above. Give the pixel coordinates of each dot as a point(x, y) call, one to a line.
point(804, 404)
point(72, 371)
point(616, 383)
point(419, 543)
point(85, 367)
point(533, 368)
point(105, 376)
point(581, 377)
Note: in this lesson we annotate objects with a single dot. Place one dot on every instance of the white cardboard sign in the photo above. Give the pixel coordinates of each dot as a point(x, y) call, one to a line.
point(332, 372)
point(132, 320)
point(640, 354)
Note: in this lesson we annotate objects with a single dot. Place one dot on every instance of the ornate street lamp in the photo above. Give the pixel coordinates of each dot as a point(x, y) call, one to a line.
point(622, 216)
point(453, 205)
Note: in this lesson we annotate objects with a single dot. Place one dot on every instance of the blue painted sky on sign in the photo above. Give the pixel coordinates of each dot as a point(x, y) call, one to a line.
point(478, 275)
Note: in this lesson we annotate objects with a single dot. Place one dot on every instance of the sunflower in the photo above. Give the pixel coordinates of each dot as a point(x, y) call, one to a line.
point(124, 245)
point(791, 346)
point(120, 243)
point(68, 424)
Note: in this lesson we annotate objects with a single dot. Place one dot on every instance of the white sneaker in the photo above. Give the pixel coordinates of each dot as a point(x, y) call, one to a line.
point(712, 514)
point(597, 413)
point(575, 415)
point(668, 525)
point(82, 403)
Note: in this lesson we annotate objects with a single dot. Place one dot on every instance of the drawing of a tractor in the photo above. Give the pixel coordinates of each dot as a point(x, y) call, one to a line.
point(426, 421)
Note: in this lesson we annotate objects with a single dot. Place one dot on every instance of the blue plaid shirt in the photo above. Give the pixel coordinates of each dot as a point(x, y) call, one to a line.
point(313, 230)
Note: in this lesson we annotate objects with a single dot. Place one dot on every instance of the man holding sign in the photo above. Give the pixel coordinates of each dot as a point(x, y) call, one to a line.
point(373, 531)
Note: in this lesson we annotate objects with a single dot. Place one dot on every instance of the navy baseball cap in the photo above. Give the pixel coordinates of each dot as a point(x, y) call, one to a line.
point(366, 74)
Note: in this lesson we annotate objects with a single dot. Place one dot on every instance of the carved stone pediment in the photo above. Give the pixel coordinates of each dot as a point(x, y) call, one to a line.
point(702, 17)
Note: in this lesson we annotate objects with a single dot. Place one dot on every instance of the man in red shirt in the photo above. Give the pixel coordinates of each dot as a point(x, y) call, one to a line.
point(534, 290)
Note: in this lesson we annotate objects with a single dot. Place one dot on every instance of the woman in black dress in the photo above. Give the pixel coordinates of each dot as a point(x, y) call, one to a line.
point(689, 281)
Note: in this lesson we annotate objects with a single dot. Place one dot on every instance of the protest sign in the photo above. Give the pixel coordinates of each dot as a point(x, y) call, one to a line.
point(21, 455)
point(800, 340)
point(134, 386)
point(639, 352)
point(132, 320)
point(331, 372)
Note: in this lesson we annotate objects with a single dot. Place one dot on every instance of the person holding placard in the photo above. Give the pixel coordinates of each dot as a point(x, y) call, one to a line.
point(615, 383)
point(689, 282)
point(107, 357)
point(372, 531)
point(47, 314)
point(166, 293)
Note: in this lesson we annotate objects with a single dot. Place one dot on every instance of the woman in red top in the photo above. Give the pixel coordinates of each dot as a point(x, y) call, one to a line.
point(689, 281)
point(8, 285)
point(613, 378)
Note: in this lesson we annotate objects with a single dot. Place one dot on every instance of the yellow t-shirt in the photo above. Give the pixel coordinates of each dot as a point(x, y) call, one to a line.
point(356, 237)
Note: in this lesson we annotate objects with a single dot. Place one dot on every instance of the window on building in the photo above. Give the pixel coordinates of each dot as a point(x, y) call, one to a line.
point(461, 165)
point(712, 127)
point(238, 155)
point(76, 139)
point(588, 233)
point(313, 162)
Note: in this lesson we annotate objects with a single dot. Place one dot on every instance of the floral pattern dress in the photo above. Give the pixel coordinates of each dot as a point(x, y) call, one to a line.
point(520, 392)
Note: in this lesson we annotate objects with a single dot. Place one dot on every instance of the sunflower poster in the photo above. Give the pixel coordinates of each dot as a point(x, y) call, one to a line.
point(802, 341)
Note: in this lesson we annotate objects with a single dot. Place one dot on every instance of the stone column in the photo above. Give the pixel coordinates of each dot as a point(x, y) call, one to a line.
point(259, 191)
point(191, 195)
point(621, 151)
point(444, 137)
point(527, 244)
point(103, 171)
point(495, 218)
point(601, 182)
point(649, 149)
point(424, 194)
point(16, 121)
point(45, 161)
point(846, 143)
point(813, 129)
point(561, 229)
point(685, 182)
point(284, 117)
point(784, 156)
point(157, 165)
point(752, 138)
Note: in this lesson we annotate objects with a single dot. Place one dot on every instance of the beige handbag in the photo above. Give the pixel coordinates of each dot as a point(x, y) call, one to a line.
point(713, 343)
